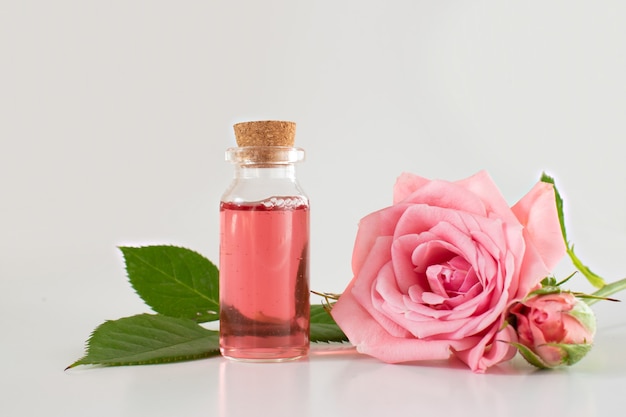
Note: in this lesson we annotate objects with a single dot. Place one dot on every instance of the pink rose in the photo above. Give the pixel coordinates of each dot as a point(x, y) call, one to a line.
point(557, 329)
point(435, 272)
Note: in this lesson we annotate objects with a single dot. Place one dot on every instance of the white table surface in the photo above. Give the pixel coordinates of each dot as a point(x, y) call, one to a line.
point(49, 332)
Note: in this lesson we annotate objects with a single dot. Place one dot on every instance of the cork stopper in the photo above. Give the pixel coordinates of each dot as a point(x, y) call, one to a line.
point(265, 133)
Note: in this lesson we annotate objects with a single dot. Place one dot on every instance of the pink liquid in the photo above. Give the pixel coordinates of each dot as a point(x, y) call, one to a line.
point(264, 281)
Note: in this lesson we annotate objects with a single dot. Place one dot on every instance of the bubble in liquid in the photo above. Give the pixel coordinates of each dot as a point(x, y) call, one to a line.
point(282, 202)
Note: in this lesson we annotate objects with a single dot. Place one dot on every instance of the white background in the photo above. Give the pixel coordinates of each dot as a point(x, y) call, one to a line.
point(114, 118)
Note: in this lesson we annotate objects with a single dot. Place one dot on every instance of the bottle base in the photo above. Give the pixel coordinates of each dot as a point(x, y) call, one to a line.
point(264, 355)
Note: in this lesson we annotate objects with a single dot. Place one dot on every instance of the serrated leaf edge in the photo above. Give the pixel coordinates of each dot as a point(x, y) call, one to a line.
point(84, 360)
point(212, 315)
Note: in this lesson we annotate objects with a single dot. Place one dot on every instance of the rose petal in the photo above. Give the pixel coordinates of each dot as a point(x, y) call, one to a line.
point(538, 213)
point(531, 271)
point(405, 271)
point(575, 332)
point(372, 226)
point(432, 298)
point(370, 338)
point(447, 195)
point(376, 271)
point(482, 186)
point(495, 347)
point(405, 185)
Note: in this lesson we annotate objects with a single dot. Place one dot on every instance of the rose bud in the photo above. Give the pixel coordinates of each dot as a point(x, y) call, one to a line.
point(553, 329)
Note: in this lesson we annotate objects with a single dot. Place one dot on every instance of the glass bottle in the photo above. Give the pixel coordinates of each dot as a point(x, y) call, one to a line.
point(264, 248)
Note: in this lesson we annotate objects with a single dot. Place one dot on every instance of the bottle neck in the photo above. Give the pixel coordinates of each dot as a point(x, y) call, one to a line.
point(265, 171)
point(264, 155)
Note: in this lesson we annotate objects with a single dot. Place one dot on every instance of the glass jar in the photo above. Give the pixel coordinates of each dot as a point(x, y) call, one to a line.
point(264, 254)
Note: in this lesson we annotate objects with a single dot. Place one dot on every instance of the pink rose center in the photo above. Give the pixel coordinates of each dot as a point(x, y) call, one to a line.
point(549, 321)
point(450, 283)
point(540, 317)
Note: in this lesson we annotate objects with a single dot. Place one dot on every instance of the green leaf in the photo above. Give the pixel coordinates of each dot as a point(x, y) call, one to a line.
point(148, 339)
point(174, 281)
point(592, 277)
point(530, 356)
point(572, 352)
point(323, 326)
point(549, 282)
point(322, 332)
point(544, 291)
point(607, 290)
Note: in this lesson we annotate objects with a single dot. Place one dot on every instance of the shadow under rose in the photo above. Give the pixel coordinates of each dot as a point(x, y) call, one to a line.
point(606, 357)
point(340, 351)
point(512, 389)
